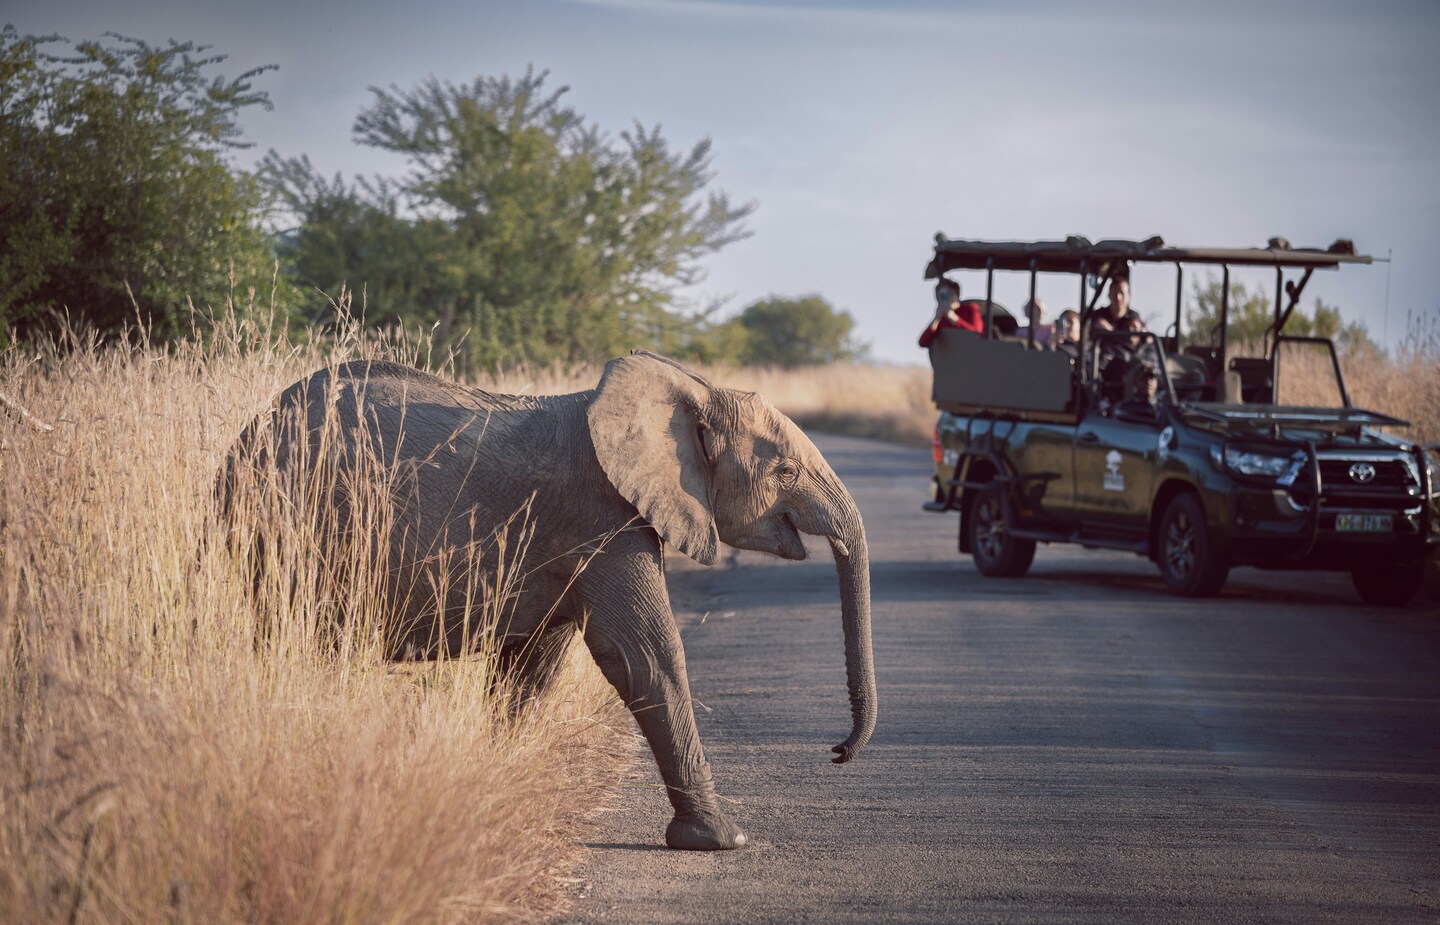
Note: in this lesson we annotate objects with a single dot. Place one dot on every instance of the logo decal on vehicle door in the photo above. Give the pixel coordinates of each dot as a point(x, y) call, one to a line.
point(1114, 478)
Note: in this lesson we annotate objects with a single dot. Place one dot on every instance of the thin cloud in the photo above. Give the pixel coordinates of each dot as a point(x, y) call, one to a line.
point(809, 16)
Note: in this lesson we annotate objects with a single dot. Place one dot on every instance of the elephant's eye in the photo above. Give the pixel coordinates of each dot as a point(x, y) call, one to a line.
point(788, 472)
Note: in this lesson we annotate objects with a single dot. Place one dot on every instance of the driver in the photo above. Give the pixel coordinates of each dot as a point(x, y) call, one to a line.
point(1141, 394)
point(1122, 358)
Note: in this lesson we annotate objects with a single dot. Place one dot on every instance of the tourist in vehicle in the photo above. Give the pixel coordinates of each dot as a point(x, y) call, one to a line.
point(1035, 312)
point(950, 312)
point(1135, 324)
point(1110, 316)
point(1067, 333)
point(1144, 350)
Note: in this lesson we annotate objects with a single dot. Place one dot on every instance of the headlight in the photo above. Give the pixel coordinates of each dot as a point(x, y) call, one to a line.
point(1258, 464)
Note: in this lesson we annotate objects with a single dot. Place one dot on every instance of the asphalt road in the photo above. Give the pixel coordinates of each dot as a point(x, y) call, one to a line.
point(1073, 746)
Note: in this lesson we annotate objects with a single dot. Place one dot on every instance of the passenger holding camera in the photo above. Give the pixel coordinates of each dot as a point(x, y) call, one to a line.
point(950, 312)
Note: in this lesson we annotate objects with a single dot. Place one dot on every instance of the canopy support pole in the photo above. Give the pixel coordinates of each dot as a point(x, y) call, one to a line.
point(990, 297)
point(1224, 318)
point(1179, 295)
point(1032, 316)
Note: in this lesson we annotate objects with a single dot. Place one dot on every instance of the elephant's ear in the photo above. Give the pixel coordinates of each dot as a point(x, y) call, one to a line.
point(676, 364)
point(645, 422)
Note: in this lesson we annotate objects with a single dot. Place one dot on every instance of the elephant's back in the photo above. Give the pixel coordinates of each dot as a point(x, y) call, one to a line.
point(384, 372)
point(382, 383)
point(457, 449)
point(393, 385)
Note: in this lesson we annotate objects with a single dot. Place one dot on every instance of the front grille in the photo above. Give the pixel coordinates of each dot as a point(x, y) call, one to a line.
point(1391, 476)
point(1391, 488)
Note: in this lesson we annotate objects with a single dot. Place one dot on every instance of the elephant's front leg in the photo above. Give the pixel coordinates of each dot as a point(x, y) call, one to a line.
point(631, 633)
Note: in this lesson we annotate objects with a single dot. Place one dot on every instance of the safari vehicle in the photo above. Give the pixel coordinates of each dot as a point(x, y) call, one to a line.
point(1223, 468)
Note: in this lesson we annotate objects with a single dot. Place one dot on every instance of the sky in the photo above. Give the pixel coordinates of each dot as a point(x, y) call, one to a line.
point(860, 130)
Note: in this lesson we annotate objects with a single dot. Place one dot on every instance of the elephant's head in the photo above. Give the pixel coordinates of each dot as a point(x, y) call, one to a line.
point(705, 464)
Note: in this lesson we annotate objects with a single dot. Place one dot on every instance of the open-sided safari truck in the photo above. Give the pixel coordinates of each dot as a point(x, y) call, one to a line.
point(1225, 463)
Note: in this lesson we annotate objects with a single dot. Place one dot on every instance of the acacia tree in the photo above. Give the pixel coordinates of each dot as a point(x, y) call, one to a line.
point(519, 231)
point(116, 201)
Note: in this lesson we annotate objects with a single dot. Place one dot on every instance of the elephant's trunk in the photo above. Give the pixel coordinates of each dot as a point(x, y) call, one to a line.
point(852, 563)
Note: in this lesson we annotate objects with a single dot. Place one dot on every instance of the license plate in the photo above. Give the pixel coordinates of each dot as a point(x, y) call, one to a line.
point(1364, 523)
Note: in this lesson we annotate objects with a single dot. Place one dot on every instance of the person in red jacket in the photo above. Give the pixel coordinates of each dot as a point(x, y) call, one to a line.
point(950, 312)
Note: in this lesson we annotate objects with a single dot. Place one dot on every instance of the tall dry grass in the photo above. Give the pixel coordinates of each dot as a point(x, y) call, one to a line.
point(160, 762)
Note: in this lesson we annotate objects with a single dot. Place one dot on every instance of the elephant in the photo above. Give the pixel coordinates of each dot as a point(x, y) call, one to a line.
point(653, 456)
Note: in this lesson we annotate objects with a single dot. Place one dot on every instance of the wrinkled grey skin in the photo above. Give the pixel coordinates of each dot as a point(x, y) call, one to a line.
point(699, 465)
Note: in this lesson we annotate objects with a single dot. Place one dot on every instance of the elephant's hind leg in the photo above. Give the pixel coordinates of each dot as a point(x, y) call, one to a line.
point(532, 665)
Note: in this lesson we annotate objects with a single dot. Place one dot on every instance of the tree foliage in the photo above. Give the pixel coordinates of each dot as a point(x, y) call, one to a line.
point(116, 201)
point(1251, 314)
point(805, 331)
point(519, 231)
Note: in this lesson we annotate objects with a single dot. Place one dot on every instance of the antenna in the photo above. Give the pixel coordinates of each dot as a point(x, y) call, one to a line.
point(1385, 333)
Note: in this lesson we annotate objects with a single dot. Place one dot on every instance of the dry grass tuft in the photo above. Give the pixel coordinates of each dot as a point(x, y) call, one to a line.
point(1407, 386)
point(159, 762)
point(883, 402)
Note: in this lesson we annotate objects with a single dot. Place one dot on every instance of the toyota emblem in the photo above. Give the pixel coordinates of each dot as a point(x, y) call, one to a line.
point(1362, 473)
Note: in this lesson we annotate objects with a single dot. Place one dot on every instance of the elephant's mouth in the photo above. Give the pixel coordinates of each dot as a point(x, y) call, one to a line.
point(790, 543)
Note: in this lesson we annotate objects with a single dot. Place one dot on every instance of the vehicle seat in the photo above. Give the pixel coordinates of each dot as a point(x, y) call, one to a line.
point(1255, 382)
point(1187, 376)
point(1231, 389)
point(1207, 355)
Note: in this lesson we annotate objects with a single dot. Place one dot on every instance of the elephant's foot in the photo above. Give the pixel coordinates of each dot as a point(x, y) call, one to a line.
point(703, 832)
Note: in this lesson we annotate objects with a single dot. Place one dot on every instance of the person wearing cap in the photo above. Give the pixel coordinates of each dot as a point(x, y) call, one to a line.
point(1142, 390)
point(950, 312)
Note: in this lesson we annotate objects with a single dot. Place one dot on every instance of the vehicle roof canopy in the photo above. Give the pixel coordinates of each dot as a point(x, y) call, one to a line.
point(1077, 254)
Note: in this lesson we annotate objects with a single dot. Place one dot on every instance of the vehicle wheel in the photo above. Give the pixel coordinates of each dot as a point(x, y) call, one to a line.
point(1389, 585)
point(1188, 559)
point(997, 553)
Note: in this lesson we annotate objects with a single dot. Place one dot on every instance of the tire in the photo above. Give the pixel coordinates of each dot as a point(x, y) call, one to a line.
point(997, 554)
point(1389, 585)
point(1188, 559)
